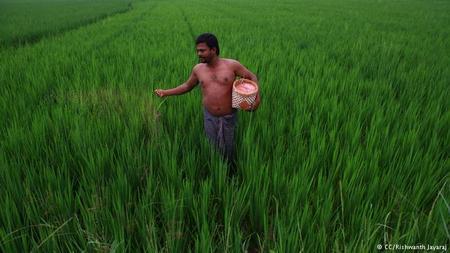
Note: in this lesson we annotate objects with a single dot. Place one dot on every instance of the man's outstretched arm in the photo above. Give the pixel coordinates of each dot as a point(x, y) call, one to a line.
point(181, 89)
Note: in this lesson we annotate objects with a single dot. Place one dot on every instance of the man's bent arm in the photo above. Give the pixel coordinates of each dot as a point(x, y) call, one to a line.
point(243, 72)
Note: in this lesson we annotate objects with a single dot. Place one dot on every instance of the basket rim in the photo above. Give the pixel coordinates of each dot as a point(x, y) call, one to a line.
point(244, 80)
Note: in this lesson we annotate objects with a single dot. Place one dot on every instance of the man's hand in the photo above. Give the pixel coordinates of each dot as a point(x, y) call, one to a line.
point(160, 93)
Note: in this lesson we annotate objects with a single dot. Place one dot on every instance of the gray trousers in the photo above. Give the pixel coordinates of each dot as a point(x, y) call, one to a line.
point(220, 132)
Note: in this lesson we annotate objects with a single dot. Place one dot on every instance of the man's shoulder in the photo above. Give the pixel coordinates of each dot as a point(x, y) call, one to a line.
point(197, 67)
point(230, 61)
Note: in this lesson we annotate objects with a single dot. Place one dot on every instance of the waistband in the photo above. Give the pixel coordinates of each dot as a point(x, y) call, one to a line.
point(234, 113)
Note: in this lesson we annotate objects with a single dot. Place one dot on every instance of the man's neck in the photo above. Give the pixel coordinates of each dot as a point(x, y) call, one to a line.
point(214, 61)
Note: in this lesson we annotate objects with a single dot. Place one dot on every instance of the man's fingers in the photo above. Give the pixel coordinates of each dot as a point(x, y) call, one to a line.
point(158, 92)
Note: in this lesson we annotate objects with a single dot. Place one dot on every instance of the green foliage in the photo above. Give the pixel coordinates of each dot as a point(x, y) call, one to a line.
point(349, 148)
point(27, 21)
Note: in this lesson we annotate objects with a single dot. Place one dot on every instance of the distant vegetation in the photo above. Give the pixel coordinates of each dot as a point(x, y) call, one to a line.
point(25, 21)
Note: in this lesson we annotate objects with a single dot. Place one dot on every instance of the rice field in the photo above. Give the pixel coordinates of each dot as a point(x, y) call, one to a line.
point(27, 21)
point(348, 151)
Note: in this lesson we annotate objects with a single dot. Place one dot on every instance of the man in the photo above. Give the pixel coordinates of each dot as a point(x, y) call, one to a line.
point(216, 76)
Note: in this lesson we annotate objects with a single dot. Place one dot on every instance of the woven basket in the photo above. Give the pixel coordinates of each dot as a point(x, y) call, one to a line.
point(244, 94)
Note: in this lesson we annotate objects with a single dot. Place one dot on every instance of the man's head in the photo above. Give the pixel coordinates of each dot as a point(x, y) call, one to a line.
point(207, 47)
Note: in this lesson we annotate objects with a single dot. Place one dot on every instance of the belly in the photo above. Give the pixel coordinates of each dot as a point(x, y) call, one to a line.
point(217, 100)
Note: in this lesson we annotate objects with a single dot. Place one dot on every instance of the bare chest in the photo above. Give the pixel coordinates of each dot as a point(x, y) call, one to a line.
point(222, 77)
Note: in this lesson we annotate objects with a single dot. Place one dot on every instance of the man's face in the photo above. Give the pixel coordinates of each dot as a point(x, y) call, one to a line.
point(204, 53)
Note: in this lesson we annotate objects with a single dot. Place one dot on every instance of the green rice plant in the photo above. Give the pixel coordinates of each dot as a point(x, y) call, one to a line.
point(348, 150)
point(27, 21)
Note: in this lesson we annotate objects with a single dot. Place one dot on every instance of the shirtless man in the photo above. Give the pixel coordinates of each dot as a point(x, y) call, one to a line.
point(216, 76)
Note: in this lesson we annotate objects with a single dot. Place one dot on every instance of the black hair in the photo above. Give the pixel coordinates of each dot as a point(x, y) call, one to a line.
point(210, 40)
